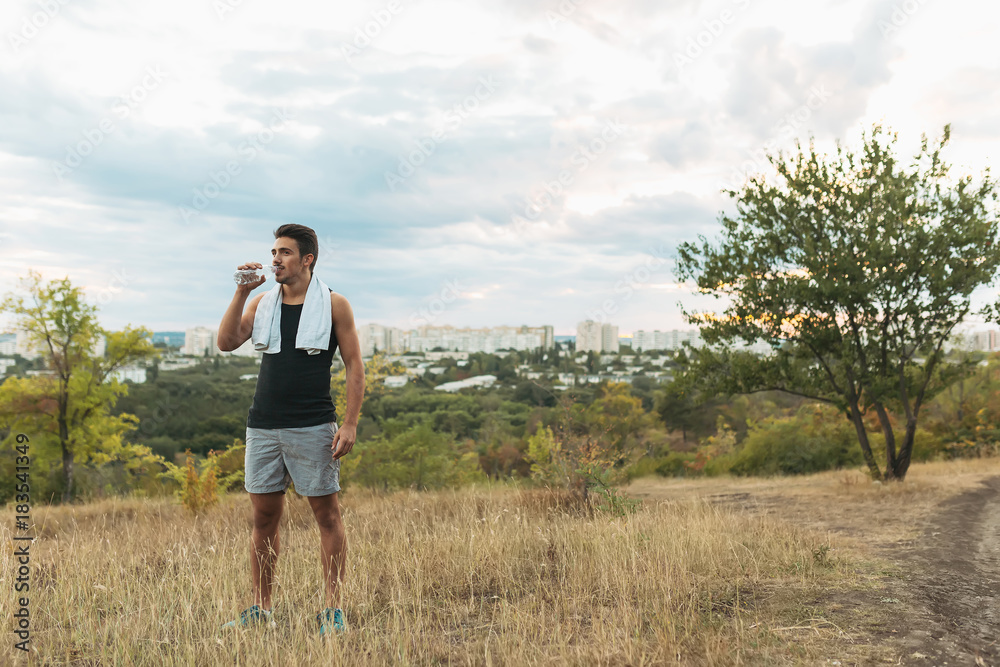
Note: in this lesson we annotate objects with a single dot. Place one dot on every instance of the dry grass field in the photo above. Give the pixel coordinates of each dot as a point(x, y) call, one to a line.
point(707, 572)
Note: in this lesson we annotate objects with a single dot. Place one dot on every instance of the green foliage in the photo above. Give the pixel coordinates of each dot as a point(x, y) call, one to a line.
point(501, 452)
point(617, 416)
point(676, 464)
point(531, 393)
point(815, 439)
point(821, 556)
point(927, 446)
point(855, 268)
point(552, 466)
point(200, 489)
point(459, 414)
point(377, 369)
point(964, 419)
point(418, 457)
point(676, 407)
point(548, 466)
point(713, 455)
point(68, 413)
point(191, 408)
point(983, 441)
point(607, 498)
point(590, 444)
point(644, 467)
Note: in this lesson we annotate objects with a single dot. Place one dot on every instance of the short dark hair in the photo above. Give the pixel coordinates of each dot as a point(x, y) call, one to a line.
point(305, 239)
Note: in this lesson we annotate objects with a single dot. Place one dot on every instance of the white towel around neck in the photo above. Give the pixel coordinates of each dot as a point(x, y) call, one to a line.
point(315, 323)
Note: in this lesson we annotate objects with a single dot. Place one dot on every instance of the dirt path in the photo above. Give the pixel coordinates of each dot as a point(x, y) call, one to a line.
point(953, 584)
point(941, 605)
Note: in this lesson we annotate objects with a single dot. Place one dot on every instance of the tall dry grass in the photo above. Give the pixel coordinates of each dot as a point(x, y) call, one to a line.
point(483, 577)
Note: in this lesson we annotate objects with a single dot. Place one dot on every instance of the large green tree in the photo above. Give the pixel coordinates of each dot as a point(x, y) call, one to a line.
point(68, 412)
point(856, 267)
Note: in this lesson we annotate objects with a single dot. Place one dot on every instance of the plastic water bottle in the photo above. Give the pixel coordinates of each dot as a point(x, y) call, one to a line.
point(250, 276)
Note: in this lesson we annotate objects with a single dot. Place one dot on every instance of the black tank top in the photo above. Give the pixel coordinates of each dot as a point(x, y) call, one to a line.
point(293, 387)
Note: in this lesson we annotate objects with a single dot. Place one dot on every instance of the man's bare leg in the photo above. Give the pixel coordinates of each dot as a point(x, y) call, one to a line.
point(333, 544)
point(267, 508)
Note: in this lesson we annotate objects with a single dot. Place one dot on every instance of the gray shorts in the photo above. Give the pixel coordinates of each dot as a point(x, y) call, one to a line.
point(275, 456)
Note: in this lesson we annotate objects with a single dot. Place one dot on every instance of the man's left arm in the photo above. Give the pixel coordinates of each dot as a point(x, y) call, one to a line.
point(350, 352)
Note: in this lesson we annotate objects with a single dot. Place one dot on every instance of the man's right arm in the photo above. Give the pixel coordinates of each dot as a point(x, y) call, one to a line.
point(236, 326)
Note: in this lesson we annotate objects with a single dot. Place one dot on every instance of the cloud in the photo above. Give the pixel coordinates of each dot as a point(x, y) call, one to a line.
point(769, 77)
point(691, 143)
point(557, 87)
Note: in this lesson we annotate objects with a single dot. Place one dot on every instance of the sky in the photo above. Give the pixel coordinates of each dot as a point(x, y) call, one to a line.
point(463, 163)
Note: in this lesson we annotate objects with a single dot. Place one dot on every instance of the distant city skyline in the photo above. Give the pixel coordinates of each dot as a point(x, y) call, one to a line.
point(601, 338)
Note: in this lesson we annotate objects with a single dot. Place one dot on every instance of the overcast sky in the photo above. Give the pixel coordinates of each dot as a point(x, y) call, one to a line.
point(466, 163)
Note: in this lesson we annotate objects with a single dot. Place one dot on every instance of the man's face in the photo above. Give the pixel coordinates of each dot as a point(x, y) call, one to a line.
point(285, 254)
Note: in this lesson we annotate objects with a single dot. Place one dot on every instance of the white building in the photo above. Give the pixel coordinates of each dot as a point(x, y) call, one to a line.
point(593, 336)
point(8, 347)
point(23, 347)
point(136, 374)
point(244, 350)
point(377, 338)
point(371, 337)
point(665, 340)
point(198, 341)
point(170, 364)
point(475, 381)
point(609, 338)
point(489, 340)
point(588, 336)
point(760, 347)
point(567, 378)
point(396, 381)
point(438, 356)
point(985, 341)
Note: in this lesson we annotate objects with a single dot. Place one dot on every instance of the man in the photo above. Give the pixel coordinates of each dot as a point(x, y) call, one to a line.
point(292, 432)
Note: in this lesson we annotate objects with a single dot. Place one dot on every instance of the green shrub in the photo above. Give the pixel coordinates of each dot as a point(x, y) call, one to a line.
point(676, 464)
point(418, 457)
point(644, 467)
point(200, 489)
point(817, 438)
point(926, 445)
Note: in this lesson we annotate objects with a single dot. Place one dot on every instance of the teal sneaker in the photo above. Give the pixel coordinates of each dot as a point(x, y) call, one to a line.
point(253, 616)
point(330, 621)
